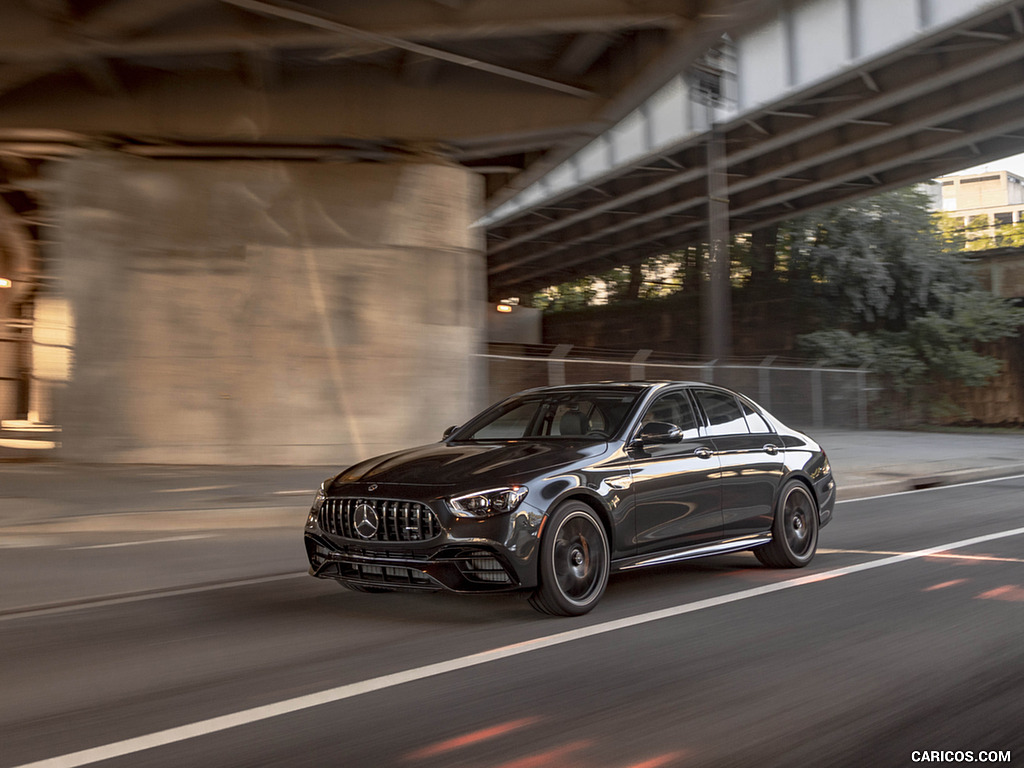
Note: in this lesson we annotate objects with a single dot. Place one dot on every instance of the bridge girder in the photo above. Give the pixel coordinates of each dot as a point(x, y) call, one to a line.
point(506, 88)
point(950, 100)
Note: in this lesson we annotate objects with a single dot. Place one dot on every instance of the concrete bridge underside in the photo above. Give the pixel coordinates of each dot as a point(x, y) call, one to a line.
point(238, 231)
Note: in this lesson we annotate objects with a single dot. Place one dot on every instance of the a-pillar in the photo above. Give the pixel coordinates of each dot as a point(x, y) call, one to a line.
point(267, 312)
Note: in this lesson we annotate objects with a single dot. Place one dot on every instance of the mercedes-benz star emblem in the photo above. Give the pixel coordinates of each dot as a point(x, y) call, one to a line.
point(365, 520)
point(372, 488)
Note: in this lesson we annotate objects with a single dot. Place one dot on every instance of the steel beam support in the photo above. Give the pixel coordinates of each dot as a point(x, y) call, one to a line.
point(302, 15)
point(966, 89)
point(716, 302)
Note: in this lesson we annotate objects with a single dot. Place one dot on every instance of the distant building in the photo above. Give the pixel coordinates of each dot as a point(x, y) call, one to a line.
point(983, 201)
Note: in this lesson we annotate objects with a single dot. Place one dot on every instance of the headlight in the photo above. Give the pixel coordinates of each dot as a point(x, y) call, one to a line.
point(487, 503)
point(318, 502)
point(321, 497)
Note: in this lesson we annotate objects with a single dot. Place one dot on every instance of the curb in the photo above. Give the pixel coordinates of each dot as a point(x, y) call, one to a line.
point(922, 482)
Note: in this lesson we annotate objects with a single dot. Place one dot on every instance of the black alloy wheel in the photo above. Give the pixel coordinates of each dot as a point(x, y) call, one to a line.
point(794, 531)
point(574, 562)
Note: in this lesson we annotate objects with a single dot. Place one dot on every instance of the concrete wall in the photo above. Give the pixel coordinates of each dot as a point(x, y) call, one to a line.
point(1001, 401)
point(1001, 272)
point(262, 313)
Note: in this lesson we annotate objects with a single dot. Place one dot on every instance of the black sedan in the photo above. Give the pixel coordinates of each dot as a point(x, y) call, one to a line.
point(553, 489)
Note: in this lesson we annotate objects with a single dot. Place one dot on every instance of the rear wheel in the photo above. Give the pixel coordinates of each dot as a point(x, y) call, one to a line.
point(794, 531)
point(574, 562)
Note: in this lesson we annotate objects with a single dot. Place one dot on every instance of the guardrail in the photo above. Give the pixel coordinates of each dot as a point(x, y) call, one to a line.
point(800, 395)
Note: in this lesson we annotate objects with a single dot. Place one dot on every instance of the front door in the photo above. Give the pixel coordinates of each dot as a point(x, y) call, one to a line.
point(677, 486)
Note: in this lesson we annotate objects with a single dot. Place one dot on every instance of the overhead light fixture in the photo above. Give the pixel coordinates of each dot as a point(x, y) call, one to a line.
point(504, 308)
point(5, 283)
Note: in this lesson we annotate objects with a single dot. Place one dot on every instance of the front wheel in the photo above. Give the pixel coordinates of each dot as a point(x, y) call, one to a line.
point(794, 531)
point(574, 562)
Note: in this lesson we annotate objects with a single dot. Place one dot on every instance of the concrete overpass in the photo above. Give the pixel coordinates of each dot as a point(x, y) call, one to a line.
point(239, 230)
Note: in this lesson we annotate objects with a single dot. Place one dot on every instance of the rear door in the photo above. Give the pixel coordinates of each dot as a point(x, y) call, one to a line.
point(751, 456)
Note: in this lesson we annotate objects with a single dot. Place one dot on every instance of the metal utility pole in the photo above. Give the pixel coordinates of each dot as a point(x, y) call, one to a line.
point(716, 299)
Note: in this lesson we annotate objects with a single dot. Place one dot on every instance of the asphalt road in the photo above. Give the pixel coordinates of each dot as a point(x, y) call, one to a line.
point(884, 648)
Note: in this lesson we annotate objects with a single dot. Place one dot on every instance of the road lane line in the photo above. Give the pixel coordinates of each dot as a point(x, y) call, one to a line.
point(985, 558)
point(352, 690)
point(195, 488)
point(103, 602)
point(162, 540)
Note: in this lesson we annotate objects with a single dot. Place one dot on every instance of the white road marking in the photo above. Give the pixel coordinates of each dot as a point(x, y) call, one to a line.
point(333, 695)
point(986, 558)
point(196, 488)
point(24, 541)
point(188, 537)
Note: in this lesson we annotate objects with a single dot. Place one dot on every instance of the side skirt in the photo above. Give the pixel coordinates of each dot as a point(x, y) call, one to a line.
point(690, 553)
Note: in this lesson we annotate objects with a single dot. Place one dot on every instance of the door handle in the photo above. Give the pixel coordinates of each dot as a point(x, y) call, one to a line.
point(620, 483)
point(770, 449)
point(703, 452)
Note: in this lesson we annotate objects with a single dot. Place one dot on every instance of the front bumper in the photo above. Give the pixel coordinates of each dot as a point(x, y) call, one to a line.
point(476, 568)
point(494, 554)
point(826, 492)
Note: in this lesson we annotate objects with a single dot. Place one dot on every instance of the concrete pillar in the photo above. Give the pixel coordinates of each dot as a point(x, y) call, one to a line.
point(266, 313)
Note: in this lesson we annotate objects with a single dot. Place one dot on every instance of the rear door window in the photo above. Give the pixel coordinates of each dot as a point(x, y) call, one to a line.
point(725, 417)
point(755, 421)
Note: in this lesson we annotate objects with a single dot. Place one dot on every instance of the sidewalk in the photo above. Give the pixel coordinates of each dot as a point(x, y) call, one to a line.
point(52, 497)
point(874, 462)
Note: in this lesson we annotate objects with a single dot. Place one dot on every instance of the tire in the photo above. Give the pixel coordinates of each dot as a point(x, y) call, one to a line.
point(794, 530)
point(574, 562)
point(364, 588)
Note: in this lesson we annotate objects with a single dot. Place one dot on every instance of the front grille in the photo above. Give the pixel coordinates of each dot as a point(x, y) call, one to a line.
point(385, 575)
point(482, 566)
point(378, 520)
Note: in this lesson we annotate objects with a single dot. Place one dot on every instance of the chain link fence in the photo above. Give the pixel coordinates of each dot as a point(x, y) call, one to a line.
point(801, 396)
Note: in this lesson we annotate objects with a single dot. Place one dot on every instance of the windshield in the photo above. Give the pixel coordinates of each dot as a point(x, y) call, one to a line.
point(586, 413)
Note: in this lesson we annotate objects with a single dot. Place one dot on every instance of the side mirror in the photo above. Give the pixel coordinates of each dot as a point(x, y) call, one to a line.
point(660, 433)
point(448, 432)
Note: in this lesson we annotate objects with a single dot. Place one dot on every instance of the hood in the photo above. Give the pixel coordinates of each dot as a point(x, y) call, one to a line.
point(472, 465)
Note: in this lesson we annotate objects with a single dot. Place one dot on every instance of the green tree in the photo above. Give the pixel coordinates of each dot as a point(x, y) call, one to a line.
point(653, 278)
point(901, 298)
point(874, 264)
point(1010, 235)
point(976, 235)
